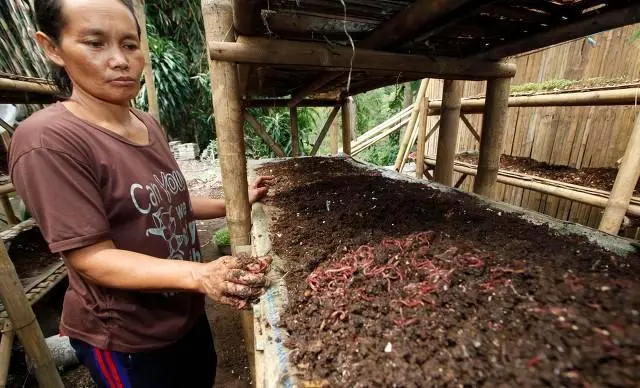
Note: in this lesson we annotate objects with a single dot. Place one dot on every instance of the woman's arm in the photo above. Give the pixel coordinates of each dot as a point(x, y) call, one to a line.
point(208, 208)
point(222, 280)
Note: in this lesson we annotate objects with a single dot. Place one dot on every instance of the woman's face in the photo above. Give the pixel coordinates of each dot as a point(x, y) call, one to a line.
point(100, 49)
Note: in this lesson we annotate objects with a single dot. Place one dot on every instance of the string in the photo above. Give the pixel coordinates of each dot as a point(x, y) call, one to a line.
point(353, 46)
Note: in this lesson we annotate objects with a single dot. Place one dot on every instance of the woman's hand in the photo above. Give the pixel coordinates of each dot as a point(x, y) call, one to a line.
point(258, 189)
point(226, 282)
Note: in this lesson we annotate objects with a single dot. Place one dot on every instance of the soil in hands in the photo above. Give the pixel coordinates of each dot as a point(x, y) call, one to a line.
point(397, 284)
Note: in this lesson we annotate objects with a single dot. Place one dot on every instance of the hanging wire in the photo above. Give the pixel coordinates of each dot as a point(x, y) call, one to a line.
point(353, 46)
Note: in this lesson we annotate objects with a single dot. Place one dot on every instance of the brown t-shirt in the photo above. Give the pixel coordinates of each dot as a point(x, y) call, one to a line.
point(85, 184)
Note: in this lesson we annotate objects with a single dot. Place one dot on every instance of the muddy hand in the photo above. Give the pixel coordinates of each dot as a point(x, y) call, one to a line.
point(225, 282)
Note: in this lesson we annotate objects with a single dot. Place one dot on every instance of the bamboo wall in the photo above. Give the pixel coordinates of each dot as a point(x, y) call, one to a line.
point(570, 136)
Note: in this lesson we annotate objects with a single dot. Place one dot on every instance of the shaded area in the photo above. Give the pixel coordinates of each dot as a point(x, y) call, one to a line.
point(395, 283)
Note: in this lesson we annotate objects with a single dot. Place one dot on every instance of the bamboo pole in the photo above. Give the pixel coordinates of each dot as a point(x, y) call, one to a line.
point(494, 123)
point(470, 127)
point(448, 136)
point(264, 51)
point(414, 117)
point(460, 181)
point(15, 85)
point(610, 97)
point(412, 141)
point(25, 324)
point(422, 139)
point(325, 129)
point(525, 182)
point(356, 148)
point(228, 111)
point(261, 130)
point(152, 97)
point(295, 139)
point(333, 139)
point(283, 102)
point(6, 347)
point(400, 116)
point(218, 21)
point(624, 185)
point(348, 123)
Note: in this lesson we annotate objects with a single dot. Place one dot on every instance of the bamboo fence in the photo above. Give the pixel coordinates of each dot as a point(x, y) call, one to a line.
point(580, 137)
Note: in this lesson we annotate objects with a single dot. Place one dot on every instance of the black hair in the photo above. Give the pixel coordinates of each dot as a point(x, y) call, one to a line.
point(51, 22)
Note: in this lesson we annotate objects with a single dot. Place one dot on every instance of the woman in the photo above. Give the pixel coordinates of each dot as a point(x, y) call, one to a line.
point(101, 182)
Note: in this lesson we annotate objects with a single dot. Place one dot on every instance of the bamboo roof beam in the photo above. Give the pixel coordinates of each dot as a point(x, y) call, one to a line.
point(283, 102)
point(401, 26)
point(599, 21)
point(319, 55)
point(629, 96)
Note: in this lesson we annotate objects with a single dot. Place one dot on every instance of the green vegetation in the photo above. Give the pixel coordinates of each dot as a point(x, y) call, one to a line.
point(222, 238)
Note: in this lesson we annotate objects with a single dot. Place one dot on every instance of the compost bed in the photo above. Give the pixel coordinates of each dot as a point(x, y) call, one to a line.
point(392, 283)
point(597, 178)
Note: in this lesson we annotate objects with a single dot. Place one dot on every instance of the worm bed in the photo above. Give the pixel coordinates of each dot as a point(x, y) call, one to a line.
point(384, 281)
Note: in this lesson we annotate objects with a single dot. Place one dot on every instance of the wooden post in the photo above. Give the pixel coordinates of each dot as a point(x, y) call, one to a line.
point(295, 139)
point(333, 139)
point(348, 123)
point(152, 97)
point(323, 133)
point(25, 324)
point(404, 144)
point(624, 185)
point(494, 123)
point(218, 21)
point(448, 136)
point(227, 106)
point(422, 139)
point(6, 346)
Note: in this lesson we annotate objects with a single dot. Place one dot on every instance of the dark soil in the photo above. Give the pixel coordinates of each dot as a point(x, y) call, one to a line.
point(30, 255)
point(397, 284)
point(597, 178)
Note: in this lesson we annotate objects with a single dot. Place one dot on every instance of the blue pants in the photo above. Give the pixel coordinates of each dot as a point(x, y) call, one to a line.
point(191, 362)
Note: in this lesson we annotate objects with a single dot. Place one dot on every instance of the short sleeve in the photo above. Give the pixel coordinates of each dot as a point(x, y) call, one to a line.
point(63, 195)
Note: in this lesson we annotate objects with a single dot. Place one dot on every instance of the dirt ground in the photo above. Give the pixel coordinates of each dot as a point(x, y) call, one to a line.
point(396, 284)
point(597, 178)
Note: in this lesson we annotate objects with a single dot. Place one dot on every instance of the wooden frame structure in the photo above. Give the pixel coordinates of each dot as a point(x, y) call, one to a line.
point(290, 53)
